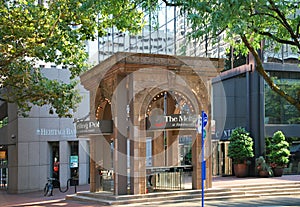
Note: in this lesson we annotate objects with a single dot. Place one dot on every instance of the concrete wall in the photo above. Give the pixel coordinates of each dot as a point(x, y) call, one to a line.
point(229, 105)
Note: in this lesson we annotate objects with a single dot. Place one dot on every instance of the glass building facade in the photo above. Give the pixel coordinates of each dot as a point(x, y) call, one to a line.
point(277, 109)
point(166, 32)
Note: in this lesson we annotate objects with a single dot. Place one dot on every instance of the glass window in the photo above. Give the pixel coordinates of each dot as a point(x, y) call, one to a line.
point(277, 109)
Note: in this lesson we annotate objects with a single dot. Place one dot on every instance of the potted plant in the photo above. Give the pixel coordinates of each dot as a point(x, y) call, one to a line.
point(262, 168)
point(240, 149)
point(278, 153)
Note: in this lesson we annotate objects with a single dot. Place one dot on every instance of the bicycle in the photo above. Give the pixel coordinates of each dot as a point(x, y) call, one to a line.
point(48, 189)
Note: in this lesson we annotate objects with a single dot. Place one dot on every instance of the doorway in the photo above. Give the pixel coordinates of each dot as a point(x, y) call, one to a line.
point(3, 167)
point(54, 160)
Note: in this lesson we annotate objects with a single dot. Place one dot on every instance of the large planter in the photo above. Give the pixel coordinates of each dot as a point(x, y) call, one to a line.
point(278, 171)
point(240, 170)
point(263, 174)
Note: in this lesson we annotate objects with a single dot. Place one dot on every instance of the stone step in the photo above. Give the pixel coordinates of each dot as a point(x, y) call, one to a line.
point(263, 184)
point(230, 192)
point(109, 199)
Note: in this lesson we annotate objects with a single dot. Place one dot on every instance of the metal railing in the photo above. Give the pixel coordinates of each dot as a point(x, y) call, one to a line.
point(169, 178)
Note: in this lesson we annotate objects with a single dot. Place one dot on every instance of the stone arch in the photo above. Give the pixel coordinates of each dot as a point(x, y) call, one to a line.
point(125, 73)
point(108, 82)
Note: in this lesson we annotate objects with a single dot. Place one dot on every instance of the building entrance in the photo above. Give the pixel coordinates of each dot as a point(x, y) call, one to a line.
point(54, 159)
point(3, 167)
point(153, 103)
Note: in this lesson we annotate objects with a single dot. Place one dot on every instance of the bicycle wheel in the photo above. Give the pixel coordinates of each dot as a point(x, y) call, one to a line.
point(46, 189)
point(50, 191)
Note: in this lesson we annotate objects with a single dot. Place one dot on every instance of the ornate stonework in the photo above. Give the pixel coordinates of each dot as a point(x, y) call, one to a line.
point(124, 86)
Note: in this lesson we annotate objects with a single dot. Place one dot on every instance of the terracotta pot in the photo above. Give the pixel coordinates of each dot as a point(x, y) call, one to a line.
point(278, 172)
point(263, 174)
point(241, 170)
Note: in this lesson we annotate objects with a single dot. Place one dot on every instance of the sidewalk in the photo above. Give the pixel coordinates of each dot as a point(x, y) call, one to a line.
point(38, 199)
point(34, 198)
point(232, 180)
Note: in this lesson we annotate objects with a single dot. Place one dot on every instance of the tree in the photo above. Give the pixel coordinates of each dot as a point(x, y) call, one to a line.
point(54, 32)
point(246, 24)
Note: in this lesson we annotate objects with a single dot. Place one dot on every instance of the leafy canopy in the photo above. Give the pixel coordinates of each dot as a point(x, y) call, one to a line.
point(246, 23)
point(53, 32)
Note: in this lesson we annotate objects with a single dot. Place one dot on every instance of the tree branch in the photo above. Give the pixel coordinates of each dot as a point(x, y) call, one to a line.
point(171, 4)
point(267, 14)
point(285, 23)
point(260, 69)
point(277, 39)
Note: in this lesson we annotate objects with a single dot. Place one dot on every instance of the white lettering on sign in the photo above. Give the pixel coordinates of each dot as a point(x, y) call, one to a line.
point(55, 132)
point(225, 134)
point(181, 118)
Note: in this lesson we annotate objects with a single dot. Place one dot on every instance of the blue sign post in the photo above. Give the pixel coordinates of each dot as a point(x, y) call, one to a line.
point(204, 119)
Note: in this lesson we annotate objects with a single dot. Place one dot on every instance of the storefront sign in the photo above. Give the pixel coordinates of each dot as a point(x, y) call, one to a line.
point(173, 121)
point(55, 132)
point(223, 135)
point(74, 161)
point(84, 128)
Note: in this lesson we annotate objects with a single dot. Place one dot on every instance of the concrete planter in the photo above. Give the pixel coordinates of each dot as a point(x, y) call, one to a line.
point(241, 170)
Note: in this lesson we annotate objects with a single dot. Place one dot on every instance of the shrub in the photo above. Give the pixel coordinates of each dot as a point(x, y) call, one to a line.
point(278, 150)
point(240, 147)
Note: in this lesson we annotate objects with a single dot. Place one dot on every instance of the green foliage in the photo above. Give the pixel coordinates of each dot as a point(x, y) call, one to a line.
point(234, 60)
point(240, 147)
point(257, 19)
point(278, 150)
point(246, 24)
point(53, 32)
point(261, 165)
point(4, 122)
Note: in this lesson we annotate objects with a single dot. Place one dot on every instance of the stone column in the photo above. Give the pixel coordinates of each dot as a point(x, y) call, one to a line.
point(92, 166)
point(208, 159)
point(158, 149)
point(64, 167)
point(196, 161)
point(172, 148)
point(137, 145)
point(120, 131)
point(138, 163)
point(83, 161)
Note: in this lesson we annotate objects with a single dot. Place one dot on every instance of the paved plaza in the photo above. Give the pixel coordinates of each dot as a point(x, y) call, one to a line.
point(37, 199)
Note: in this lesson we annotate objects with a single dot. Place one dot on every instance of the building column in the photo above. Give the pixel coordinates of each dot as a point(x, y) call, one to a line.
point(137, 144)
point(196, 161)
point(64, 166)
point(92, 166)
point(172, 148)
point(83, 161)
point(158, 149)
point(138, 163)
point(121, 133)
point(208, 159)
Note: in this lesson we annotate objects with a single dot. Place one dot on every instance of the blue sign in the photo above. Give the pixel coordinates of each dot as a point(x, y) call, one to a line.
point(205, 119)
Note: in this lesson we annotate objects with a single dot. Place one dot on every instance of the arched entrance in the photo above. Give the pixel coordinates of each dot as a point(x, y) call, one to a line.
point(150, 99)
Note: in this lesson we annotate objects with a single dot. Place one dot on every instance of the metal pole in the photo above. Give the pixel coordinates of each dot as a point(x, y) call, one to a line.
point(202, 161)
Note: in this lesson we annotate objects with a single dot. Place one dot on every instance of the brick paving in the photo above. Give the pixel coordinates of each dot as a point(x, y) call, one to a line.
point(37, 199)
